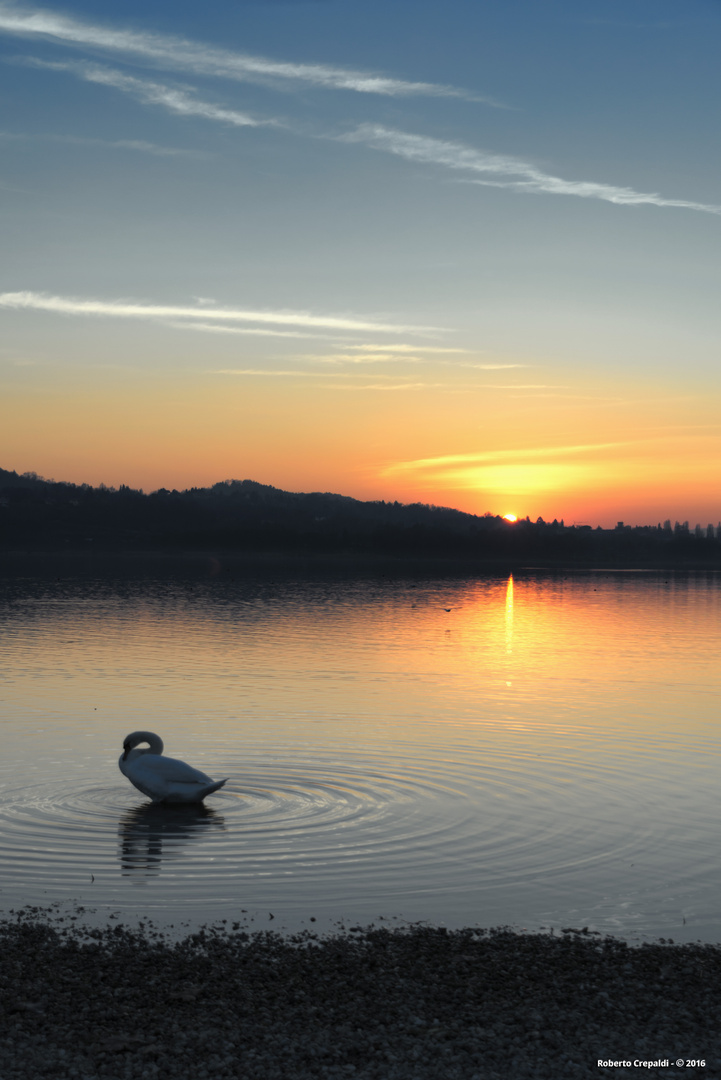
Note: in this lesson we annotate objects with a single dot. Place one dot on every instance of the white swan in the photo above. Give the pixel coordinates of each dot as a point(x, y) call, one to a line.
point(163, 779)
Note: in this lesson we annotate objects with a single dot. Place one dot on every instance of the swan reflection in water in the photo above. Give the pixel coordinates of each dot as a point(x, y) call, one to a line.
point(155, 831)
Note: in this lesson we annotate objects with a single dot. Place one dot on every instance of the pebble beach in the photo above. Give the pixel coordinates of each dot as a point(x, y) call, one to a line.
point(416, 1003)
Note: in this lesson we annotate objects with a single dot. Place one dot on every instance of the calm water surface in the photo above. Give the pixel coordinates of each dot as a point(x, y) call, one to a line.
point(537, 750)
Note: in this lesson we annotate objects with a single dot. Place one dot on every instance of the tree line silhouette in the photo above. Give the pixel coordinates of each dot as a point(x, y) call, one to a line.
point(243, 515)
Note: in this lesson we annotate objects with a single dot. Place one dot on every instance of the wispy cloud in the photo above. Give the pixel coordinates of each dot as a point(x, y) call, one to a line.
point(272, 373)
point(396, 386)
point(336, 380)
point(211, 328)
point(503, 171)
point(66, 305)
point(493, 456)
point(177, 99)
point(404, 355)
point(364, 358)
point(420, 353)
point(190, 56)
point(492, 367)
point(139, 145)
point(348, 380)
point(397, 348)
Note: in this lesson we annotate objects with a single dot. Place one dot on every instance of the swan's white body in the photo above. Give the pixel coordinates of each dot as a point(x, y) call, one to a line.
point(162, 779)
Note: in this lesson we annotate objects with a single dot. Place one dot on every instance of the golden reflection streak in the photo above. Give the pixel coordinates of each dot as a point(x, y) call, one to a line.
point(509, 615)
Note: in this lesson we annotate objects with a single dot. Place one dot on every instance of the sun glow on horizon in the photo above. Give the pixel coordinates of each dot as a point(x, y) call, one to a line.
point(510, 517)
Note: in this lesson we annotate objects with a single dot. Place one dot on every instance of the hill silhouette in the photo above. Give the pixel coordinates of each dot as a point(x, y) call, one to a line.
point(243, 515)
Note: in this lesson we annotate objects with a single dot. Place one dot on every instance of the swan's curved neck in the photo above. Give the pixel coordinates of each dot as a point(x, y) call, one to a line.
point(154, 741)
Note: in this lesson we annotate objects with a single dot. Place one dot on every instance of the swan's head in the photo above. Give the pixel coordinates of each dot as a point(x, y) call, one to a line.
point(155, 743)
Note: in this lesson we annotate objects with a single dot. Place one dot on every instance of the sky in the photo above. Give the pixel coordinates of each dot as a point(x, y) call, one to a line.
point(462, 253)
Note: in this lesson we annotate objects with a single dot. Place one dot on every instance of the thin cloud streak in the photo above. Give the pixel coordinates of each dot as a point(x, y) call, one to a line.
point(63, 305)
point(176, 99)
point(407, 348)
point(447, 460)
point(492, 367)
point(458, 157)
point(368, 358)
point(407, 358)
point(324, 375)
point(345, 379)
point(181, 54)
point(399, 386)
point(208, 328)
point(271, 373)
point(111, 144)
point(372, 354)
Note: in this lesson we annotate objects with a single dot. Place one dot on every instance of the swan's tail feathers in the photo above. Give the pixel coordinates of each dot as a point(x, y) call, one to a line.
point(212, 787)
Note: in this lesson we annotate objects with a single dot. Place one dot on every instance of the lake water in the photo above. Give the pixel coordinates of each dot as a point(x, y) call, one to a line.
point(537, 750)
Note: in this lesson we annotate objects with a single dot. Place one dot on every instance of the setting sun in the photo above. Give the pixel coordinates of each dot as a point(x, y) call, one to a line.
point(510, 517)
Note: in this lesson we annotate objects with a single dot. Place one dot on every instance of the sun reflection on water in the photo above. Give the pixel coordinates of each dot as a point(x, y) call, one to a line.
point(509, 615)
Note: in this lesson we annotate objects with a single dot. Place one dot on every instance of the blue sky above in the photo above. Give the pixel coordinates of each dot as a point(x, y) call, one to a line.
point(470, 198)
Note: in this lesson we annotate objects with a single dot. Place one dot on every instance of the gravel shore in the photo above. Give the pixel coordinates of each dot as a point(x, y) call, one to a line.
point(420, 1003)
